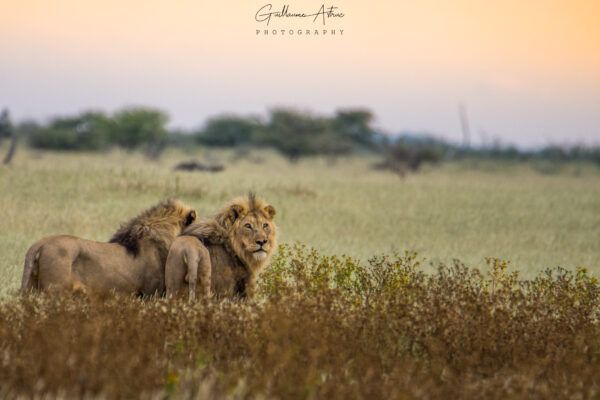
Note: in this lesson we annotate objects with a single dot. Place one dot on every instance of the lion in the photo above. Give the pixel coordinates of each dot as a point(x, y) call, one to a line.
point(132, 262)
point(225, 251)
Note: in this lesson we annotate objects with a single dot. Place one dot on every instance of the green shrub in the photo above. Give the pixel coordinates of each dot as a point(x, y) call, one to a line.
point(90, 131)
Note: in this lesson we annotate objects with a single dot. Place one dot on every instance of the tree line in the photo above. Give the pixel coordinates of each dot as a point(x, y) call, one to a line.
point(292, 132)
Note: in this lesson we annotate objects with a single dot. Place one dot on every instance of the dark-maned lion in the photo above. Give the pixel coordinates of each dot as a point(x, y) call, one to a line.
point(225, 252)
point(132, 262)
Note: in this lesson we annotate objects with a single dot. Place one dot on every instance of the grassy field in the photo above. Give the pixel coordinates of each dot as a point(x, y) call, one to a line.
point(463, 211)
point(323, 326)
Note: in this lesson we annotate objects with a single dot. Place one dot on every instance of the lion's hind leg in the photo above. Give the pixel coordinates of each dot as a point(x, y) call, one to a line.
point(204, 269)
point(188, 262)
point(197, 261)
point(55, 264)
point(175, 271)
point(191, 276)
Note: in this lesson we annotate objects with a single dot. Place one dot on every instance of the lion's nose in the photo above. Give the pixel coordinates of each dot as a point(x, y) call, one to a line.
point(261, 242)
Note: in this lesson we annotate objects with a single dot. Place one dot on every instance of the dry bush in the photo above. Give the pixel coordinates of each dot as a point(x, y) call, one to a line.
point(321, 327)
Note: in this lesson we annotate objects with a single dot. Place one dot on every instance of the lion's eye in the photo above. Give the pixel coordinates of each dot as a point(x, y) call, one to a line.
point(248, 226)
point(265, 226)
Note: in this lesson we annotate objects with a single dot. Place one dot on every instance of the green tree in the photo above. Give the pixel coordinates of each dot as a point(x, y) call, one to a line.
point(143, 128)
point(355, 125)
point(53, 139)
point(88, 131)
point(230, 130)
point(297, 134)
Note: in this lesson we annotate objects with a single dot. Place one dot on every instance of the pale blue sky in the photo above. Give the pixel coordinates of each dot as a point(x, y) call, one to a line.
point(528, 73)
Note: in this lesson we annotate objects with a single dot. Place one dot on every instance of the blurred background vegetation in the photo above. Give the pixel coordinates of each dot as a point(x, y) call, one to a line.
point(291, 132)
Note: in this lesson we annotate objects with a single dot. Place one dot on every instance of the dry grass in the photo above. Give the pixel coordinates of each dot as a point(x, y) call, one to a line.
point(323, 327)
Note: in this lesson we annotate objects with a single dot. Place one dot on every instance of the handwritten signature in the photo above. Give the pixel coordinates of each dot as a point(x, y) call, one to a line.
point(265, 13)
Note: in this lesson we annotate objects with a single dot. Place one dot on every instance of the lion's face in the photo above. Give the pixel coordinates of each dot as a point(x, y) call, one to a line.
point(253, 234)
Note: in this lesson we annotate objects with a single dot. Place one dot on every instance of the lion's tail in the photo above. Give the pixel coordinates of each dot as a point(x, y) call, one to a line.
point(30, 280)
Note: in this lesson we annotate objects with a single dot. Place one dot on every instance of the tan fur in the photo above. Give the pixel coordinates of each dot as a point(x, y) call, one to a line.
point(132, 262)
point(188, 262)
point(233, 239)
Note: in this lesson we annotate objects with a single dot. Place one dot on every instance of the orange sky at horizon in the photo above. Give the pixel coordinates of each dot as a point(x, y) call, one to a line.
point(521, 67)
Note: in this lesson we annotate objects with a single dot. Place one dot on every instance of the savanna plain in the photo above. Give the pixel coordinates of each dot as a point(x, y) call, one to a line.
point(471, 279)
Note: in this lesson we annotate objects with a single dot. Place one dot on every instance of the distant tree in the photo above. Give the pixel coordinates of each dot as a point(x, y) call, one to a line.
point(88, 131)
point(50, 138)
point(355, 125)
point(143, 128)
point(230, 131)
point(95, 131)
point(297, 134)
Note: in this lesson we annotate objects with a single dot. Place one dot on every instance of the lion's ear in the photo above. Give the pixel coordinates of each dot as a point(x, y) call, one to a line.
point(191, 217)
point(235, 211)
point(270, 211)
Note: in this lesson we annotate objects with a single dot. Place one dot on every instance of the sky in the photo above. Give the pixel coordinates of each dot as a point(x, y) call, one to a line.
point(527, 72)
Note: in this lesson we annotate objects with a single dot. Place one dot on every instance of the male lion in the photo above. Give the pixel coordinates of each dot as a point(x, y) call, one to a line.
point(132, 262)
point(225, 251)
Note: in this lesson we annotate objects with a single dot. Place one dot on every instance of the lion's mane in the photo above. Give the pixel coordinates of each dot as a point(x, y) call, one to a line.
point(155, 224)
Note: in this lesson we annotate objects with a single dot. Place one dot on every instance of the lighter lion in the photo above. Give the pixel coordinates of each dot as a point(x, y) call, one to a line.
point(225, 252)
